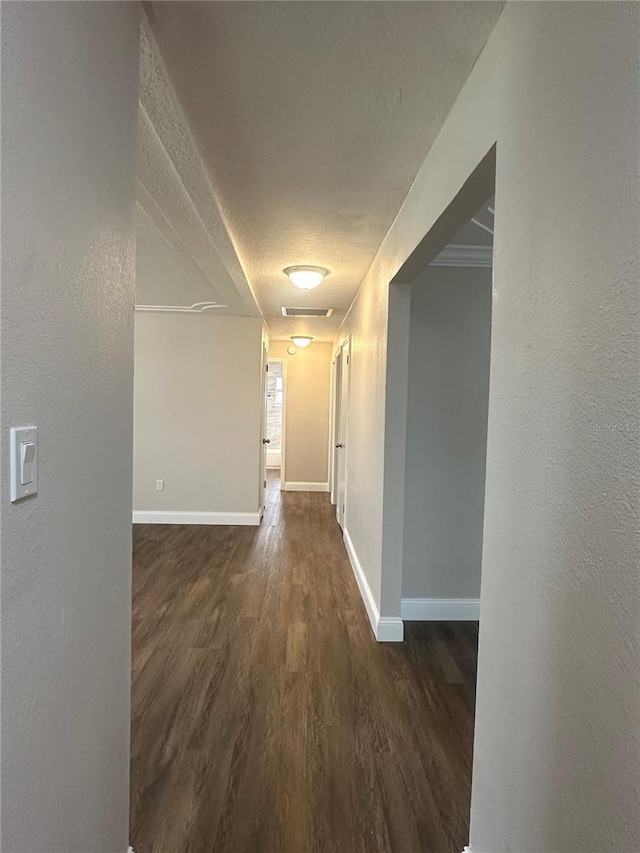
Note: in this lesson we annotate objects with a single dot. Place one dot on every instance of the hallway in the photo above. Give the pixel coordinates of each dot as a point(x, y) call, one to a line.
point(265, 717)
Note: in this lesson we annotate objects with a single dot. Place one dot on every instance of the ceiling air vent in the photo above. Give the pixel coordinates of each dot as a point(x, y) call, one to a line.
point(306, 312)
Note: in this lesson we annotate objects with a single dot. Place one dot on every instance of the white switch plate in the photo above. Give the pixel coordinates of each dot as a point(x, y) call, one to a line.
point(159, 485)
point(24, 464)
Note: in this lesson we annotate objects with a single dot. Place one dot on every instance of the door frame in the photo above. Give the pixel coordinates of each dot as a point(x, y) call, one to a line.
point(343, 394)
point(262, 500)
point(283, 436)
point(334, 425)
point(479, 187)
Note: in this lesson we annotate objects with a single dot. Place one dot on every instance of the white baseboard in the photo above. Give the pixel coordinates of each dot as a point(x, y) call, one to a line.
point(386, 629)
point(390, 629)
point(162, 517)
point(306, 487)
point(440, 609)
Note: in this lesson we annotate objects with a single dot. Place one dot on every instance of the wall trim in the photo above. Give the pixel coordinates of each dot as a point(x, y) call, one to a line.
point(274, 459)
point(390, 629)
point(306, 487)
point(197, 308)
point(224, 518)
point(440, 609)
point(386, 629)
point(464, 256)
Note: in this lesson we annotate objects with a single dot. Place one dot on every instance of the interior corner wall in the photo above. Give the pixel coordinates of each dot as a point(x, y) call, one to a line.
point(197, 413)
point(307, 404)
point(556, 91)
point(446, 447)
point(69, 125)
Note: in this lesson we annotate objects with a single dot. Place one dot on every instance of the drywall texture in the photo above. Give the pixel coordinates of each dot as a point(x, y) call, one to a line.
point(448, 396)
point(308, 381)
point(556, 745)
point(197, 413)
point(69, 119)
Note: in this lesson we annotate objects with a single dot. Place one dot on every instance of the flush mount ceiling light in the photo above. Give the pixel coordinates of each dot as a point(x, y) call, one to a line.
point(301, 340)
point(306, 278)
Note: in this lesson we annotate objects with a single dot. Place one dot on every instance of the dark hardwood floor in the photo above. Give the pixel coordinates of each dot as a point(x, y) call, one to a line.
point(266, 719)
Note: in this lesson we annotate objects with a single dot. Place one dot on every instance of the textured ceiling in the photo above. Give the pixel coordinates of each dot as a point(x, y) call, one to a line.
point(184, 255)
point(312, 120)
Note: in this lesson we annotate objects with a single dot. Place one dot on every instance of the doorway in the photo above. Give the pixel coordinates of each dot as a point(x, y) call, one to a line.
point(446, 431)
point(441, 243)
point(437, 414)
point(276, 417)
point(340, 430)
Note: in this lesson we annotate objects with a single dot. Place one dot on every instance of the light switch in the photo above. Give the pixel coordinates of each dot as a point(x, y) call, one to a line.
point(27, 458)
point(24, 462)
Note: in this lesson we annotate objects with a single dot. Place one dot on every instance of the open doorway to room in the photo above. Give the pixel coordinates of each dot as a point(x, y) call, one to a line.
point(446, 439)
point(437, 403)
point(445, 464)
point(275, 412)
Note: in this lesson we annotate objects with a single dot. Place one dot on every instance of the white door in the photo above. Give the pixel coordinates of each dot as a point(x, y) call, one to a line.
point(335, 427)
point(343, 431)
point(264, 441)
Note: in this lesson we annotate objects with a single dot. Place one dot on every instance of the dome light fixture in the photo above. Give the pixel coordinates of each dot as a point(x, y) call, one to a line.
point(306, 278)
point(301, 340)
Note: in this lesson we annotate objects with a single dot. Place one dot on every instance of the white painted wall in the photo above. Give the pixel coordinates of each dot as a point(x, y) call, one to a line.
point(556, 762)
point(308, 382)
point(448, 396)
point(69, 119)
point(197, 413)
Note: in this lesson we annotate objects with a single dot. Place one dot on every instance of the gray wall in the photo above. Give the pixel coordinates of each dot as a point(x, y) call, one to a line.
point(308, 379)
point(556, 754)
point(69, 121)
point(197, 413)
point(448, 397)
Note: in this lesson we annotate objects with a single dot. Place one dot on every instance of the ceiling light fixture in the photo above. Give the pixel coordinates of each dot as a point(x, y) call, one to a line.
point(306, 278)
point(301, 340)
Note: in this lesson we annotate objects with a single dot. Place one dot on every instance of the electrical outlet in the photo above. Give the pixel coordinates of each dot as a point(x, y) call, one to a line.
point(159, 485)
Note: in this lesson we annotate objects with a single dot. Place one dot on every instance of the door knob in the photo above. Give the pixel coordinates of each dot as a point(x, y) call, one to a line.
point(339, 446)
point(266, 441)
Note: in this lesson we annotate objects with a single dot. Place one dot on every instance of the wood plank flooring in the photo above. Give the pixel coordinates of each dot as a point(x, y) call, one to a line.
point(265, 717)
